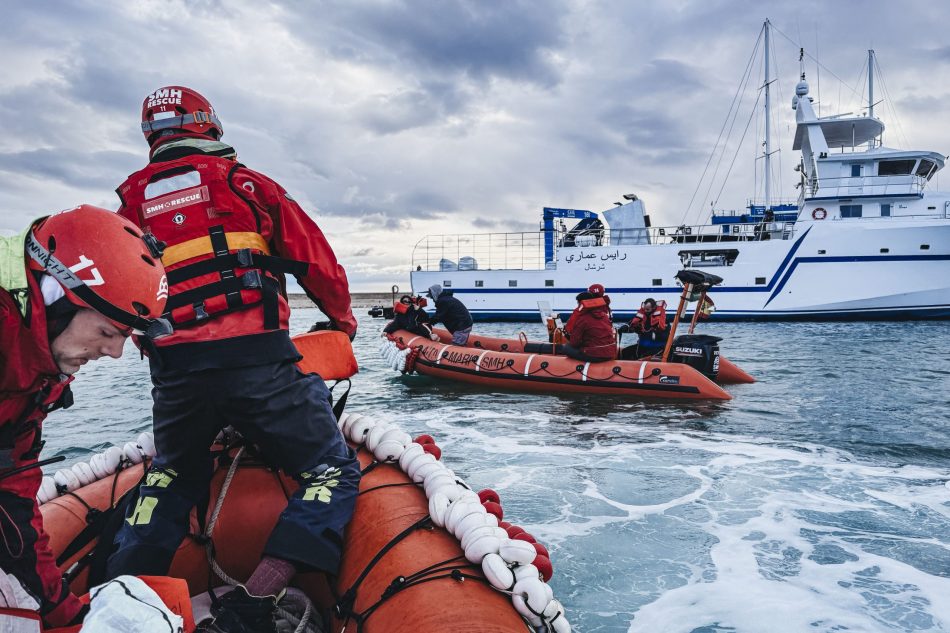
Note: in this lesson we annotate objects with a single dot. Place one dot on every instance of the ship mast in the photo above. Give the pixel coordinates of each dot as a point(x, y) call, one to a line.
point(768, 140)
point(871, 87)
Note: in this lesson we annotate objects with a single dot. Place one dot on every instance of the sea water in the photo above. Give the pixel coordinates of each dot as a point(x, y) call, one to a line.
point(816, 500)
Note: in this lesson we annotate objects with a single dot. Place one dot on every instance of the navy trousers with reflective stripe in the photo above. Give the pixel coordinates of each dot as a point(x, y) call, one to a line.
point(287, 415)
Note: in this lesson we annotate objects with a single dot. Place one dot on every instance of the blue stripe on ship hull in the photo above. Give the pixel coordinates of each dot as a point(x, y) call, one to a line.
point(868, 314)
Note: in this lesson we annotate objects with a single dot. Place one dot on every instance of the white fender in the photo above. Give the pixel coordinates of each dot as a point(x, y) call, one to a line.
point(524, 572)
point(436, 481)
point(47, 490)
point(475, 519)
point(360, 428)
point(147, 442)
point(438, 507)
point(479, 548)
point(133, 452)
point(342, 421)
point(522, 608)
point(427, 469)
point(388, 451)
point(475, 532)
point(376, 434)
point(518, 552)
point(492, 520)
point(96, 463)
point(65, 478)
point(112, 459)
point(459, 509)
point(414, 465)
point(412, 451)
point(497, 572)
point(84, 473)
point(398, 435)
point(532, 591)
point(348, 420)
point(561, 625)
point(553, 610)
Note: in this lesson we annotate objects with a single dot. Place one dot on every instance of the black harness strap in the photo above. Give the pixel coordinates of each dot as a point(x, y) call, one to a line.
point(219, 244)
point(243, 258)
point(340, 404)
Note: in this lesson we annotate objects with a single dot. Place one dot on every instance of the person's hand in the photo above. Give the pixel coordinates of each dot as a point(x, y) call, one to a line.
point(434, 337)
point(321, 326)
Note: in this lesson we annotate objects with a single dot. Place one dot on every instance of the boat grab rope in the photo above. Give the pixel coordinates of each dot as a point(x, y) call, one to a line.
point(344, 607)
point(508, 366)
point(508, 563)
point(303, 621)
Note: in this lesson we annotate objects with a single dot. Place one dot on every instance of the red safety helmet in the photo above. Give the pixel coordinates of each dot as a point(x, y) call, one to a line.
point(597, 290)
point(181, 110)
point(103, 262)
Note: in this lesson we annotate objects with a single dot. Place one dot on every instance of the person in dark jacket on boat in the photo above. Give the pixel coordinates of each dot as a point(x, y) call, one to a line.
point(650, 326)
point(232, 236)
point(591, 333)
point(410, 316)
point(451, 312)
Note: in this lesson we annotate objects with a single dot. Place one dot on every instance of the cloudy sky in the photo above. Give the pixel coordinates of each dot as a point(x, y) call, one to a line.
point(388, 120)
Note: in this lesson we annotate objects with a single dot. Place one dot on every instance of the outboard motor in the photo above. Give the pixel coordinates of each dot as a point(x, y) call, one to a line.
point(381, 312)
point(699, 351)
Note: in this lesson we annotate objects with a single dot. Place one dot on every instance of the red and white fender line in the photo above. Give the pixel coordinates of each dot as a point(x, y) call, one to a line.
point(393, 355)
point(98, 467)
point(510, 559)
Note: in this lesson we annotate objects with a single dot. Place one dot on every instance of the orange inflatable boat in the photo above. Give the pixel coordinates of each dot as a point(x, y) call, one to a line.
point(399, 560)
point(422, 553)
point(538, 372)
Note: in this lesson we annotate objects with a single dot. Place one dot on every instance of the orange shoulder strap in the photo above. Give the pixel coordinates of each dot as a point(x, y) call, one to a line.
point(327, 353)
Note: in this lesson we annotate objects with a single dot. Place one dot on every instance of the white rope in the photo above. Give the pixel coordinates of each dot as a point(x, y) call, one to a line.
point(209, 547)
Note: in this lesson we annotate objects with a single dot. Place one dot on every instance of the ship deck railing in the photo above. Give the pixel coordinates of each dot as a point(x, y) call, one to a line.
point(526, 250)
point(867, 186)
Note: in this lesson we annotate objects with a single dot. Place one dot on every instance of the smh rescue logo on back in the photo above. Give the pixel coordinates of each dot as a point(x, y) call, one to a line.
point(165, 96)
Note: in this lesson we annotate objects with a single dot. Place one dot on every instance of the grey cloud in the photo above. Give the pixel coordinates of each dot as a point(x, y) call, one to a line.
point(82, 170)
point(477, 39)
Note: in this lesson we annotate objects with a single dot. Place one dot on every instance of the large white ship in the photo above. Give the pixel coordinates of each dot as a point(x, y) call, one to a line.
point(867, 238)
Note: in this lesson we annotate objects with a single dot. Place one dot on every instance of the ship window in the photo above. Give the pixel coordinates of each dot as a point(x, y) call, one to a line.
point(885, 250)
point(657, 282)
point(925, 169)
point(447, 283)
point(925, 247)
point(821, 251)
point(479, 283)
point(851, 210)
point(548, 283)
point(855, 171)
point(760, 281)
point(512, 283)
point(895, 167)
point(885, 210)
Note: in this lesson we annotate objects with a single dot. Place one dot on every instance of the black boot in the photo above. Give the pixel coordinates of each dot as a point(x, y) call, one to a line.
point(239, 612)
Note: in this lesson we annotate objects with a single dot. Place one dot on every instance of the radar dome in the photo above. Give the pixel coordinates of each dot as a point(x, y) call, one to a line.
point(802, 88)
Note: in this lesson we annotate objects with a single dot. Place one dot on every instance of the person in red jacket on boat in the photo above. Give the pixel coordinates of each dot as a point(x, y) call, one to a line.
point(74, 286)
point(650, 325)
point(590, 330)
point(232, 234)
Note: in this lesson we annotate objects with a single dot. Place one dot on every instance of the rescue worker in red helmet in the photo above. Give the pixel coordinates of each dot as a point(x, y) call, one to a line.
point(232, 234)
point(590, 330)
point(649, 323)
point(73, 286)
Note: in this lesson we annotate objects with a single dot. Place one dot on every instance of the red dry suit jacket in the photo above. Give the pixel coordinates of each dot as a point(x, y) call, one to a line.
point(30, 387)
point(202, 188)
point(592, 332)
